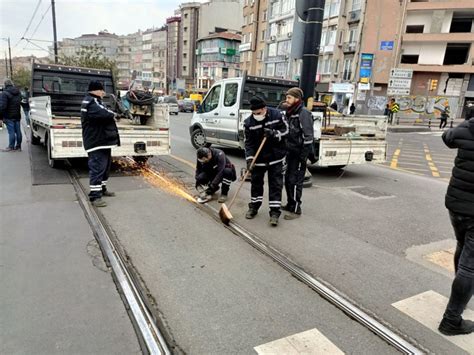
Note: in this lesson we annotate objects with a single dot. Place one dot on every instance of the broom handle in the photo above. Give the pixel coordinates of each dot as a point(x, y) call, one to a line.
point(247, 172)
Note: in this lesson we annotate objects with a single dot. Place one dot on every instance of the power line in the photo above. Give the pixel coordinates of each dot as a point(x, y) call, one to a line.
point(39, 23)
point(29, 24)
point(34, 44)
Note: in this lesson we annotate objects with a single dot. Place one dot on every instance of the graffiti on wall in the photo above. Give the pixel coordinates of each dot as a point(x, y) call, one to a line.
point(377, 102)
point(432, 105)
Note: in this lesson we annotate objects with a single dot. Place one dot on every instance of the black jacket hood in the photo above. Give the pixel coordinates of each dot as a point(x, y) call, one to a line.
point(13, 90)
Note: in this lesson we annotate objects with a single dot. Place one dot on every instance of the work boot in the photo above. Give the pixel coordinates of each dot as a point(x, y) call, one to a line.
point(108, 193)
point(222, 198)
point(99, 203)
point(8, 149)
point(274, 220)
point(18, 149)
point(251, 213)
point(290, 216)
point(448, 327)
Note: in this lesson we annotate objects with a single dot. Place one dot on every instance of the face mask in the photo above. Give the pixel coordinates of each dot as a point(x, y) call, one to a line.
point(259, 117)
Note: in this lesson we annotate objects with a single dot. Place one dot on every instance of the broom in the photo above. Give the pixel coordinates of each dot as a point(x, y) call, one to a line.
point(224, 212)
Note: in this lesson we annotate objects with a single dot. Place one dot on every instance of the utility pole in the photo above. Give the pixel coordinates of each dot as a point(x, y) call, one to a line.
point(10, 55)
point(313, 20)
point(53, 10)
point(6, 64)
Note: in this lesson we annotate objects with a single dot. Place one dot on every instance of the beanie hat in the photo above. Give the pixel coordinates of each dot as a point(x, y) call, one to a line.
point(257, 103)
point(203, 152)
point(8, 82)
point(95, 85)
point(295, 92)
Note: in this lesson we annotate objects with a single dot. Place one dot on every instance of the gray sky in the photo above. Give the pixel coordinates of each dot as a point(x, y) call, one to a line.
point(75, 17)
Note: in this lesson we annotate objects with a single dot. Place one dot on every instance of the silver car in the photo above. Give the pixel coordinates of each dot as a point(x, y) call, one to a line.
point(172, 104)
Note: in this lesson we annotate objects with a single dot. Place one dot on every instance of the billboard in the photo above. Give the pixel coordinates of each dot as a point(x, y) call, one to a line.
point(366, 63)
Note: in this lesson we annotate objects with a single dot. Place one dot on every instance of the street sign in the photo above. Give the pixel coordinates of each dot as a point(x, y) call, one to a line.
point(386, 45)
point(401, 73)
point(399, 83)
point(397, 92)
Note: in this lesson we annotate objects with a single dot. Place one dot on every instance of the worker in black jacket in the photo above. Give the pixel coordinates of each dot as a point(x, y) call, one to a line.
point(265, 122)
point(100, 135)
point(213, 168)
point(460, 203)
point(300, 145)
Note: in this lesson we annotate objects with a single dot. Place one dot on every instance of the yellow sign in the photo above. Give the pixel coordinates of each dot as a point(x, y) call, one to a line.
point(364, 80)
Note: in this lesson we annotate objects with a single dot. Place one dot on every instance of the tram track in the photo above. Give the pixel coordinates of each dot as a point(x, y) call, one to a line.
point(136, 297)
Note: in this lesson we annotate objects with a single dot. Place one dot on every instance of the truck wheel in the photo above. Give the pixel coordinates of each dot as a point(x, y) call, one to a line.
point(53, 163)
point(34, 139)
point(140, 160)
point(198, 139)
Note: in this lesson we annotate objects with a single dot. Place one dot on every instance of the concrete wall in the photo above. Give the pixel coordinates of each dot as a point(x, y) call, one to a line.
point(220, 13)
point(419, 18)
point(432, 53)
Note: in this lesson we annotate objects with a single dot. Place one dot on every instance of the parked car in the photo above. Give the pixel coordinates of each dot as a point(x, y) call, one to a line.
point(172, 104)
point(187, 106)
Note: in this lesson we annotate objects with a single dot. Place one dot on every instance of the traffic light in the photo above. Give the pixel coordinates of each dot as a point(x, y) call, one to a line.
point(433, 84)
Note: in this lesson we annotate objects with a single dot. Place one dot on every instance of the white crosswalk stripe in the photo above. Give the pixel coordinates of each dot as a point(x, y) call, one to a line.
point(427, 308)
point(310, 342)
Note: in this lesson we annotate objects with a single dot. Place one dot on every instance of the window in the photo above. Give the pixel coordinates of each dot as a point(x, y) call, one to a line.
point(185, 55)
point(230, 94)
point(185, 68)
point(456, 53)
point(260, 55)
point(270, 69)
point(263, 35)
point(265, 15)
point(461, 23)
point(280, 69)
point(409, 59)
point(327, 7)
point(283, 48)
point(272, 49)
point(212, 100)
point(415, 28)
point(185, 15)
point(225, 73)
point(335, 7)
point(251, 17)
point(352, 35)
point(331, 36)
point(185, 42)
point(355, 5)
point(336, 67)
point(185, 29)
point(347, 69)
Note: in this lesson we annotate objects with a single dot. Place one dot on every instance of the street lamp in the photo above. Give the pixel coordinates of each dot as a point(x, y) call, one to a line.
point(10, 55)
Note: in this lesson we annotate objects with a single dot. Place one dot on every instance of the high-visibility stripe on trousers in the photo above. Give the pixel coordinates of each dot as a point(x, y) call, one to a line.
point(99, 167)
point(275, 186)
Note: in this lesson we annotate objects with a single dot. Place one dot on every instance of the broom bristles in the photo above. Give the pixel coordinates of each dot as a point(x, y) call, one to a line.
point(225, 214)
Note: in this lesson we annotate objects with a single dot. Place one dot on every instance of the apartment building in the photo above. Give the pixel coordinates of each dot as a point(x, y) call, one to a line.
point(107, 42)
point(218, 58)
point(123, 61)
point(189, 27)
point(437, 43)
point(174, 58)
point(254, 36)
point(159, 50)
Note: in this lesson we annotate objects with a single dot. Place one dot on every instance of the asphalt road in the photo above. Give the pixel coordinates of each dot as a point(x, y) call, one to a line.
point(422, 153)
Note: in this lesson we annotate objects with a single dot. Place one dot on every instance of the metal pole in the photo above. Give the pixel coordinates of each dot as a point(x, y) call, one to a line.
point(6, 64)
point(53, 9)
point(312, 41)
point(10, 55)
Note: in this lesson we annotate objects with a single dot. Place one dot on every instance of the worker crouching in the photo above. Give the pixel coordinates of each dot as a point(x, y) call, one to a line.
point(213, 169)
point(270, 123)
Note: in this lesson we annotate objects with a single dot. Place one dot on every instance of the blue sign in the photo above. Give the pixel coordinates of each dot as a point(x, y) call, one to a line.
point(386, 45)
point(366, 62)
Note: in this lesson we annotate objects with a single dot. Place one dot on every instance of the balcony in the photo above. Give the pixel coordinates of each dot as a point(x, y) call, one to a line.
point(438, 37)
point(440, 5)
point(349, 47)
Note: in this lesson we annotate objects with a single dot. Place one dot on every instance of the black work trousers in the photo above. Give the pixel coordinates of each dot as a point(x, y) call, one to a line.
point(99, 167)
point(229, 175)
point(294, 178)
point(275, 186)
point(463, 284)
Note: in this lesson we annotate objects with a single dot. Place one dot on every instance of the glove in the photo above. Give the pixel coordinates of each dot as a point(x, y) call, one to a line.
point(268, 132)
point(211, 189)
point(249, 164)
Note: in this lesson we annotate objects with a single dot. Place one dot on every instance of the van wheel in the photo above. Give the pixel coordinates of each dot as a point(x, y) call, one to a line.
point(34, 139)
point(198, 139)
point(53, 163)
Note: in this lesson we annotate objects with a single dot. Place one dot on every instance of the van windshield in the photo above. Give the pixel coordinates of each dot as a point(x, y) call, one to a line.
point(170, 100)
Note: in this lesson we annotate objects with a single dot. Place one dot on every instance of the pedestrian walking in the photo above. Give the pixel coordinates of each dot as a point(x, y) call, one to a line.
point(460, 203)
point(100, 135)
point(300, 145)
point(25, 104)
point(334, 105)
point(271, 123)
point(386, 111)
point(10, 112)
point(394, 108)
point(214, 170)
point(352, 109)
point(444, 117)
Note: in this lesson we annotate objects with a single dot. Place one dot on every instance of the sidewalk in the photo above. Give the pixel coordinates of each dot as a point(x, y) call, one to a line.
point(57, 295)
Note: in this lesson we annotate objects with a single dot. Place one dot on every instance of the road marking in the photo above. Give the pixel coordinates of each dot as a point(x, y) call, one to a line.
point(429, 159)
point(393, 163)
point(308, 342)
point(183, 161)
point(427, 308)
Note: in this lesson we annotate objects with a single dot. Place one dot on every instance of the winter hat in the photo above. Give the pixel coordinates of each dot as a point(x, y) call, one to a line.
point(95, 85)
point(257, 103)
point(8, 82)
point(295, 92)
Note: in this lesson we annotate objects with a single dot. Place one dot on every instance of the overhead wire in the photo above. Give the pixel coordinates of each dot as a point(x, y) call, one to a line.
point(29, 24)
